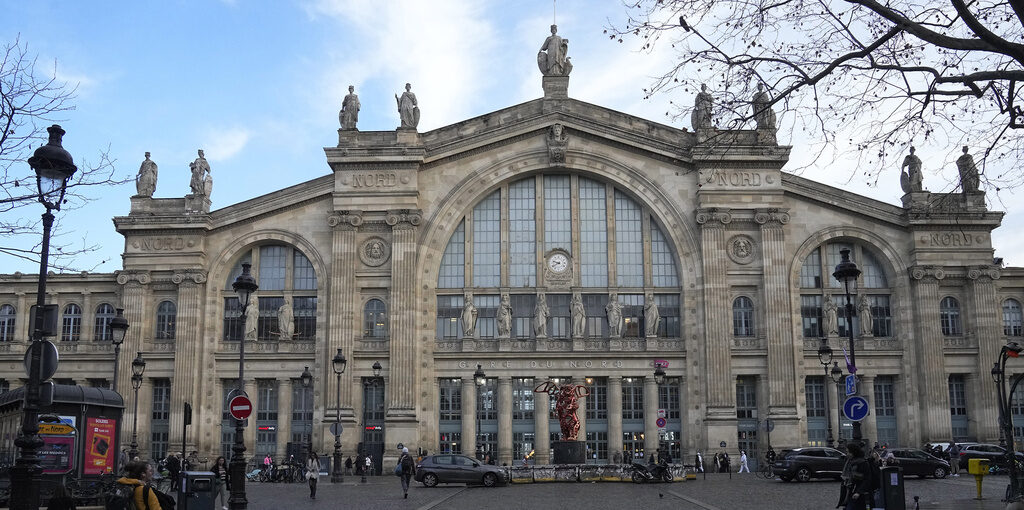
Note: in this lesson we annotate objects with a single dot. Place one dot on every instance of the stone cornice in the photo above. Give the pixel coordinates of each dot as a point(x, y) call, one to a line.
point(836, 198)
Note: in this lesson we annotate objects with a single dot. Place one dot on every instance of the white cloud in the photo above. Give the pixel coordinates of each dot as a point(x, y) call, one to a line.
point(223, 144)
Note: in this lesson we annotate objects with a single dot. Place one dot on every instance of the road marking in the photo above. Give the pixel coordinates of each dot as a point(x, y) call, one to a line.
point(437, 503)
point(694, 501)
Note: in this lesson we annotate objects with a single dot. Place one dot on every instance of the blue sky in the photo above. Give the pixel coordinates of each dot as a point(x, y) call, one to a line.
point(258, 85)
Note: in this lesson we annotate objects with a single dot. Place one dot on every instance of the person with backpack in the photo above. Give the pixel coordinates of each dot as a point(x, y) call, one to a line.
point(858, 480)
point(312, 472)
point(408, 469)
point(954, 458)
point(133, 491)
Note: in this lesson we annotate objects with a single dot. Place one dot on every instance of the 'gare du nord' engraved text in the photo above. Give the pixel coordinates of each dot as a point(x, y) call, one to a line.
point(951, 239)
point(162, 243)
point(738, 179)
point(375, 180)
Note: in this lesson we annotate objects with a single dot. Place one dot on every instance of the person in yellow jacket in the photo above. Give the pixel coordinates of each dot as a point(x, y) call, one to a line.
point(139, 474)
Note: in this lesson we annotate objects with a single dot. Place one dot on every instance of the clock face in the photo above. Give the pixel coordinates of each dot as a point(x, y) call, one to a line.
point(558, 262)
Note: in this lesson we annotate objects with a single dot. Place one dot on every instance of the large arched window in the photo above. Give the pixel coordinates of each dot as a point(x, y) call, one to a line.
point(375, 319)
point(743, 316)
point(7, 317)
point(871, 296)
point(71, 326)
point(949, 316)
point(166, 320)
point(558, 235)
point(285, 302)
point(104, 314)
point(1012, 318)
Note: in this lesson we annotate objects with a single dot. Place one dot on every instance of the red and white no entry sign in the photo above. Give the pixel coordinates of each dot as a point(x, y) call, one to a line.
point(240, 407)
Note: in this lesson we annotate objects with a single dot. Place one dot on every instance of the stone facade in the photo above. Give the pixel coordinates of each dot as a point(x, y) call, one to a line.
point(375, 233)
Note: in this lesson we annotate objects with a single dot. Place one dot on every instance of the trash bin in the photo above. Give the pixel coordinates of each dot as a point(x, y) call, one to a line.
point(196, 491)
point(893, 495)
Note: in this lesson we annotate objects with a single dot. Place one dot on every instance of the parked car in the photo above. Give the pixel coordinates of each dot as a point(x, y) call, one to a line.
point(917, 462)
point(435, 469)
point(809, 462)
point(943, 446)
point(994, 453)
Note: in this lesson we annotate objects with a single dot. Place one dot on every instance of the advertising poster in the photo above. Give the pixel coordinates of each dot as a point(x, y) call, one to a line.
point(57, 454)
point(99, 445)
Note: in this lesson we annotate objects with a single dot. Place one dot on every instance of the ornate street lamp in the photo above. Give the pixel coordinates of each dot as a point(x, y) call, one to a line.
point(480, 379)
point(825, 358)
point(138, 368)
point(118, 329)
point(245, 285)
point(376, 370)
point(837, 377)
point(307, 381)
point(659, 374)
point(847, 273)
point(338, 364)
point(1010, 350)
point(53, 166)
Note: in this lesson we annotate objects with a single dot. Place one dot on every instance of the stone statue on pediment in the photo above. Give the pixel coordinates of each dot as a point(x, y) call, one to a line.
point(831, 319)
point(504, 317)
point(700, 118)
point(408, 108)
point(541, 312)
point(200, 176)
point(579, 315)
point(910, 177)
point(614, 312)
point(552, 58)
point(469, 315)
point(252, 316)
point(763, 113)
point(349, 114)
point(969, 180)
point(145, 181)
point(652, 316)
point(286, 320)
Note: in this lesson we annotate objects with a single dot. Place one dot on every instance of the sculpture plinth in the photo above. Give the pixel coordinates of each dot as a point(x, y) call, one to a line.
point(569, 452)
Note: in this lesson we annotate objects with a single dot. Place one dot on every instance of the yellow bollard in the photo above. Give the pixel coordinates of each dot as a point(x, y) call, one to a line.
point(977, 481)
point(979, 468)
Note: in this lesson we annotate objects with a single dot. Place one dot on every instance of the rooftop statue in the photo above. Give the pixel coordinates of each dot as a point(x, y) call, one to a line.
point(552, 59)
point(202, 182)
point(763, 113)
point(969, 179)
point(349, 114)
point(145, 182)
point(701, 116)
point(910, 178)
point(408, 108)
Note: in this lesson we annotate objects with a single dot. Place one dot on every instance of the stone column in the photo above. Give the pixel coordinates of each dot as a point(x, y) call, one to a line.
point(145, 397)
point(402, 390)
point(778, 316)
point(249, 435)
point(21, 316)
point(541, 428)
point(133, 300)
point(974, 409)
point(582, 413)
point(342, 316)
point(614, 416)
point(987, 328)
point(284, 416)
point(869, 427)
point(504, 421)
point(933, 386)
point(650, 414)
point(88, 318)
point(187, 342)
point(469, 416)
point(721, 401)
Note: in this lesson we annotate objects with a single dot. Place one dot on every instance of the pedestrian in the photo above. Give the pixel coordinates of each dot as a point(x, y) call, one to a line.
point(725, 462)
point(123, 460)
point(954, 458)
point(220, 481)
point(174, 469)
point(312, 472)
point(348, 466)
point(408, 468)
point(698, 464)
point(718, 463)
point(855, 492)
point(138, 475)
point(192, 461)
point(62, 499)
point(367, 465)
point(743, 462)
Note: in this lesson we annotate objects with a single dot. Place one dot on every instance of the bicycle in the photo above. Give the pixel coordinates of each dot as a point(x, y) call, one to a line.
point(766, 469)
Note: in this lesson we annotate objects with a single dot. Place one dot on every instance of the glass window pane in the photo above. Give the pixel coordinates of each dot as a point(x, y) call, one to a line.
point(810, 315)
point(557, 213)
point(881, 316)
point(522, 314)
point(453, 269)
point(1012, 318)
point(810, 272)
point(873, 277)
point(743, 317)
point(166, 319)
point(71, 327)
point(304, 275)
point(949, 316)
point(449, 316)
point(832, 259)
point(663, 265)
point(522, 246)
point(487, 242)
point(375, 321)
point(668, 307)
point(629, 246)
point(7, 316)
point(272, 267)
point(104, 314)
point(593, 234)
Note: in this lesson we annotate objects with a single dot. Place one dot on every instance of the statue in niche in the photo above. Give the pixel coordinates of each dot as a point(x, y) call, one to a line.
point(145, 181)
point(540, 316)
point(349, 114)
point(763, 113)
point(614, 311)
point(701, 116)
point(286, 320)
point(200, 174)
point(469, 315)
point(579, 315)
point(504, 318)
point(969, 180)
point(552, 59)
point(910, 177)
point(864, 314)
point(252, 316)
point(651, 316)
point(408, 108)
point(566, 397)
point(831, 320)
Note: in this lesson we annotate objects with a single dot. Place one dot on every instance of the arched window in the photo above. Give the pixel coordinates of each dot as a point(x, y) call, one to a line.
point(872, 292)
point(287, 289)
point(949, 316)
point(1012, 318)
point(558, 231)
point(166, 320)
point(743, 316)
point(71, 327)
point(7, 316)
point(375, 319)
point(102, 331)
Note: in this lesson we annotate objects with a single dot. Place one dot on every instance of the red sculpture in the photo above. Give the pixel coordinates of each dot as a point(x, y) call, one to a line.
point(566, 405)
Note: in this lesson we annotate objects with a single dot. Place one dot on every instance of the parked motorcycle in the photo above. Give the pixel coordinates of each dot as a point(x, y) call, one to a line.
point(659, 472)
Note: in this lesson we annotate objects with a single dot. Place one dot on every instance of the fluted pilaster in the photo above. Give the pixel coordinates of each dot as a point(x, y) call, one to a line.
point(987, 317)
point(284, 415)
point(717, 312)
point(133, 300)
point(505, 420)
point(469, 392)
point(614, 416)
point(341, 329)
point(650, 415)
point(541, 427)
point(188, 338)
point(402, 398)
point(933, 387)
point(778, 316)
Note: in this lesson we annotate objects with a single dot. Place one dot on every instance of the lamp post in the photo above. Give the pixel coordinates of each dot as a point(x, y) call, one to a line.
point(659, 379)
point(53, 167)
point(825, 358)
point(847, 273)
point(338, 364)
point(138, 367)
point(118, 328)
point(307, 381)
point(480, 379)
point(245, 285)
point(1010, 350)
point(837, 377)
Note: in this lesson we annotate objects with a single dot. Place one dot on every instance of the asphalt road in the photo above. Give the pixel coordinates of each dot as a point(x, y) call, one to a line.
point(718, 492)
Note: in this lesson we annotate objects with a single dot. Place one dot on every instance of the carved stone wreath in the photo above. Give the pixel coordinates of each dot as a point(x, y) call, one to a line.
point(741, 249)
point(374, 251)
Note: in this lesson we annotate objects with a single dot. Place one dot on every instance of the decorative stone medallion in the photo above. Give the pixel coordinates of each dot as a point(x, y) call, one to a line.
point(741, 249)
point(374, 251)
point(558, 270)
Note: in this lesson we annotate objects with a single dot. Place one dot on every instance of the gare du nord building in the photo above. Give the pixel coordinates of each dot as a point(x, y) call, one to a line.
point(585, 206)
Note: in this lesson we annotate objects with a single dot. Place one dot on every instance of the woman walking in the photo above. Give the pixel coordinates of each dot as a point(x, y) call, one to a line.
point(138, 475)
point(312, 473)
point(408, 469)
point(220, 475)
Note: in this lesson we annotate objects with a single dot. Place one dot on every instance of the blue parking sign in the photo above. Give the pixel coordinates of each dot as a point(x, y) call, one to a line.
point(855, 408)
point(851, 385)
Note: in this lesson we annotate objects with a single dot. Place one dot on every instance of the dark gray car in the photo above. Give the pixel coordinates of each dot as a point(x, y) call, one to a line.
point(917, 462)
point(803, 464)
point(435, 469)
